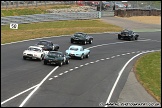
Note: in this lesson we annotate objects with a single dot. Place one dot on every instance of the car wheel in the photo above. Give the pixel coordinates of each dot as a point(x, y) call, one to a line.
point(81, 58)
point(132, 38)
point(24, 58)
point(72, 41)
point(85, 42)
point(90, 41)
point(45, 63)
point(67, 61)
point(136, 38)
point(119, 37)
point(41, 58)
point(87, 56)
point(57, 48)
point(61, 63)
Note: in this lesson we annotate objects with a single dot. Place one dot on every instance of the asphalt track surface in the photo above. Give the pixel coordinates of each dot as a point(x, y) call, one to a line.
point(81, 83)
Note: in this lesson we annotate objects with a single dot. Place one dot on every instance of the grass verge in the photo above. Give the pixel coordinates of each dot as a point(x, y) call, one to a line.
point(55, 28)
point(148, 73)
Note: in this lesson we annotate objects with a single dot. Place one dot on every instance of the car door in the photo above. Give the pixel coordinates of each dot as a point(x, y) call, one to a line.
point(82, 51)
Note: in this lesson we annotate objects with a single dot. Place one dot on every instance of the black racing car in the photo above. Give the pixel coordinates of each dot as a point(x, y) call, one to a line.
point(128, 34)
point(48, 45)
point(56, 57)
point(81, 38)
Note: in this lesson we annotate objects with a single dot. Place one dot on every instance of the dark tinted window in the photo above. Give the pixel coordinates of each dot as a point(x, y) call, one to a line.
point(72, 48)
point(42, 43)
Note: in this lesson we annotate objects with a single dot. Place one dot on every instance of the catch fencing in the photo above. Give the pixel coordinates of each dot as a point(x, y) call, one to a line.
point(49, 17)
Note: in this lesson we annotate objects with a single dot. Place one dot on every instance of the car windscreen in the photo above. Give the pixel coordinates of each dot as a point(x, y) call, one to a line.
point(42, 43)
point(125, 32)
point(34, 49)
point(73, 48)
point(53, 54)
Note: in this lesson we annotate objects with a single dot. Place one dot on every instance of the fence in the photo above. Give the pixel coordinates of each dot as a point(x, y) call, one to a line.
point(49, 17)
point(133, 4)
point(16, 4)
point(137, 12)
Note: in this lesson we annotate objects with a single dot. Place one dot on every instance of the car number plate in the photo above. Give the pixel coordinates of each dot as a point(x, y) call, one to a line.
point(71, 54)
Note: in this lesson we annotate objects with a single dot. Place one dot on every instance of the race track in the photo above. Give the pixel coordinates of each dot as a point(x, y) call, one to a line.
point(81, 83)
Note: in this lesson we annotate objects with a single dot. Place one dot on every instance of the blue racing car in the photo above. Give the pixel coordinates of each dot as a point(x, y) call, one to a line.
point(77, 51)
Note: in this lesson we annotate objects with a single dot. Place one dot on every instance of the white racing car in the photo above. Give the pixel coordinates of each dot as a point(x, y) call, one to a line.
point(34, 52)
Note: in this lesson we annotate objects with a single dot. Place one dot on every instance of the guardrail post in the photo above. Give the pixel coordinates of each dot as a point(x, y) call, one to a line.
point(36, 3)
point(99, 14)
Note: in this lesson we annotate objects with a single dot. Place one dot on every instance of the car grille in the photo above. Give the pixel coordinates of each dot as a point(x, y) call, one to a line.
point(72, 54)
point(29, 54)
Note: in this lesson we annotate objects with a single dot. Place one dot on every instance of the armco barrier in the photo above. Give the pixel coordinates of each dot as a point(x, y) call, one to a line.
point(49, 17)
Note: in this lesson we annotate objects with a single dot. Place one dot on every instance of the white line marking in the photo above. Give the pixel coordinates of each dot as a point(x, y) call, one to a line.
point(81, 65)
point(102, 59)
point(61, 73)
point(87, 64)
point(128, 53)
point(76, 67)
point(97, 60)
point(66, 71)
point(71, 69)
point(50, 78)
point(145, 40)
point(133, 52)
point(26, 99)
point(34, 39)
point(56, 76)
point(117, 55)
point(120, 73)
point(112, 56)
point(92, 62)
point(107, 58)
point(18, 94)
point(123, 54)
point(108, 44)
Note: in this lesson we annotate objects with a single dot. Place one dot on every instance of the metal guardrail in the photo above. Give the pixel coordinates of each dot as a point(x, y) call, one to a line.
point(49, 17)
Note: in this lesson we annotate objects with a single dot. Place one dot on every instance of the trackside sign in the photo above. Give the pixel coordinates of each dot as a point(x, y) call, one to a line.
point(13, 26)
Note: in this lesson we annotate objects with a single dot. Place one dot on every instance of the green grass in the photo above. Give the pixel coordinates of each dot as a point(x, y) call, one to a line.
point(55, 28)
point(148, 71)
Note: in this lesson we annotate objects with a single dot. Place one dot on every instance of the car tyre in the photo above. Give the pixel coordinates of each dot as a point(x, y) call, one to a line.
point(132, 38)
point(61, 63)
point(41, 58)
point(136, 38)
point(45, 63)
point(72, 41)
point(24, 58)
point(119, 37)
point(67, 61)
point(81, 58)
point(85, 42)
point(87, 56)
point(90, 41)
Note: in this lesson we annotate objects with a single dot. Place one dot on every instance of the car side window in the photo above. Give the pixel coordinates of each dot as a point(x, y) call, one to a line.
point(51, 44)
point(81, 49)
